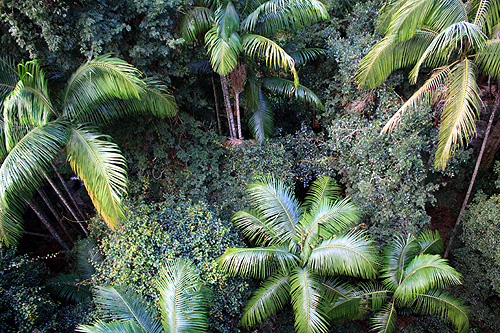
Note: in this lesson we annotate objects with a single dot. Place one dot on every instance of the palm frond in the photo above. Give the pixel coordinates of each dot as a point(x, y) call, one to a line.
point(303, 56)
point(384, 321)
point(424, 272)
point(439, 303)
point(397, 256)
point(3, 142)
point(100, 79)
point(101, 166)
point(289, 89)
point(182, 302)
point(126, 305)
point(277, 204)
point(460, 111)
point(261, 119)
point(343, 302)
point(351, 254)
point(428, 91)
point(430, 242)
point(227, 21)
point(374, 294)
point(482, 12)
point(259, 46)
point(197, 21)
point(111, 327)
point(390, 54)
point(69, 287)
point(257, 229)
point(310, 313)
point(446, 13)
point(259, 263)
point(488, 58)
point(486, 13)
point(274, 15)
point(11, 219)
point(324, 189)
point(9, 76)
point(268, 299)
point(201, 67)
point(453, 38)
point(223, 53)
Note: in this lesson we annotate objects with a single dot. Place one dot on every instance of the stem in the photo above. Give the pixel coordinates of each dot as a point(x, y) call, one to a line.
point(476, 168)
point(238, 120)
point(227, 104)
point(54, 212)
point(46, 223)
point(217, 111)
point(65, 185)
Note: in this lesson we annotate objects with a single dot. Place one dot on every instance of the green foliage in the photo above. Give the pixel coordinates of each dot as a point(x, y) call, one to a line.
point(157, 233)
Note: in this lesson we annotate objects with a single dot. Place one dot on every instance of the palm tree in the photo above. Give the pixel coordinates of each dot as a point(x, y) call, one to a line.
point(413, 274)
point(459, 40)
point(229, 42)
point(183, 305)
point(35, 127)
point(298, 245)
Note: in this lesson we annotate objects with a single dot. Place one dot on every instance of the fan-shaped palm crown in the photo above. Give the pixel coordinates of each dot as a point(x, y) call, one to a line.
point(297, 246)
point(459, 39)
point(35, 128)
point(183, 305)
point(413, 274)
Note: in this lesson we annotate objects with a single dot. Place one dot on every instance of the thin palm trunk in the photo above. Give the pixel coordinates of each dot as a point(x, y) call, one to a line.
point(496, 107)
point(65, 202)
point(238, 118)
point(49, 204)
point(216, 101)
point(65, 185)
point(45, 221)
point(227, 105)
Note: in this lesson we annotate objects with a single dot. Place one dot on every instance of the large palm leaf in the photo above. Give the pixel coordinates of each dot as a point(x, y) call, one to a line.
point(397, 256)
point(322, 190)
point(195, 22)
point(112, 327)
point(9, 76)
point(101, 166)
point(289, 89)
point(258, 229)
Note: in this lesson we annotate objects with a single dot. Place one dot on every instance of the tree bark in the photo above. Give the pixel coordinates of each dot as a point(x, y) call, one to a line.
point(65, 185)
point(54, 212)
point(47, 224)
point(217, 111)
point(494, 140)
point(227, 105)
point(496, 107)
point(238, 118)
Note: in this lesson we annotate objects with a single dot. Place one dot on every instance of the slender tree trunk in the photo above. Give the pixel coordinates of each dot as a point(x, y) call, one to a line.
point(47, 224)
point(65, 202)
point(496, 107)
point(65, 185)
point(216, 101)
point(54, 212)
point(238, 118)
point(227, 105)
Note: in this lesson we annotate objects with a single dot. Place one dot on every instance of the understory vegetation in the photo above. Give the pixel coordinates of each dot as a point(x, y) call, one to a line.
point(131, 199)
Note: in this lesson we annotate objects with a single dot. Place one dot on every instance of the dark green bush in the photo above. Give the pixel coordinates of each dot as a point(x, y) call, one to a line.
point(156, 233)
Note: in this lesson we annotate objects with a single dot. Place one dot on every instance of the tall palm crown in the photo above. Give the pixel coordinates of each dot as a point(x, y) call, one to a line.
point(413, 274)
point(183, 305)
point(35, 127)
point(298, 246)
point(458, 39)
point(229, 36)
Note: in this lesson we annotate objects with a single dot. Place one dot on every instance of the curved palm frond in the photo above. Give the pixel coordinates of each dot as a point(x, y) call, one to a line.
point(268, 299)
point(69, 287)
point(3, 142)
point(197, 21)
point(276, 203)
point(351, 254)
point(397, 256)
point(390, 54)
point(303, 56)
point(274, 15)
point(223, 53)
point(311, 314)
point(446, 13)
point(430, 242)
point(101, 166)
point(156, 98)
point(424, 272)
point(460, 111)
point(183, 303)
point(488, 58)
point(289, 89)
point(11, 219)
point(227, 21)
point(324, 189)
point(374, 294)
point(257, 262)
point(259, 230)
point(429, 90)
point(100, 79)
point(9, 76)
point(455, 37)
point(343, 302)
point(126, 305)
point(438, 303)
point(112, 327)
point(385, 320)
point(261, 117)
point(274, 55)
point(486, 13)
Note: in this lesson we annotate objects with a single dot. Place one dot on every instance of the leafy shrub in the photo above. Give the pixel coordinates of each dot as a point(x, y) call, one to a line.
point(156, 233)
